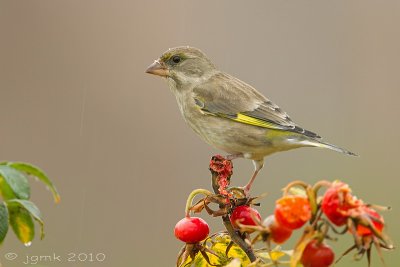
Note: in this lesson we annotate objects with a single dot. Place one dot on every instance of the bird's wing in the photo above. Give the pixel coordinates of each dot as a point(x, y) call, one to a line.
point(228, 97)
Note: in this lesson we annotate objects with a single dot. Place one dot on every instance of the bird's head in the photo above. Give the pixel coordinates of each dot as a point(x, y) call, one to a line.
point(183, 64)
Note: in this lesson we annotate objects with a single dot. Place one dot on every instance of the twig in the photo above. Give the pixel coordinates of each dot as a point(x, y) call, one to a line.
point(227, 223)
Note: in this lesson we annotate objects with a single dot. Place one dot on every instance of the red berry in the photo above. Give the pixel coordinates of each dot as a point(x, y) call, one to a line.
point(317, 254)
point(337, 201)
point(375, 218)
point(191, 229)
point(244, 214)
point(278, 233)
point(292, 211)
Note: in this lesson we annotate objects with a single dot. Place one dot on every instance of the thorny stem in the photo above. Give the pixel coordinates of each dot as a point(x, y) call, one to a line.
point(190, 198)
point(322, 233)
point(227, 223)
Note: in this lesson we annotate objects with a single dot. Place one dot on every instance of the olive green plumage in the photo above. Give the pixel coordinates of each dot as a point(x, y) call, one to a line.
point(226, 112)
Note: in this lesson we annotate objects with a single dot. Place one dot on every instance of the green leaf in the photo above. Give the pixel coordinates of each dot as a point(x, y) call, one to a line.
point(218, 246)
point(3, 222)
point(16, 180)
point(275, 255)
point(35, 171)
point(32, 209)
point(5, 190)
point(234, 263)
point(22, 223)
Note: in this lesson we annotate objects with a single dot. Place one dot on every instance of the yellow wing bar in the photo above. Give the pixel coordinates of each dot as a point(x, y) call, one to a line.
point(256, 122)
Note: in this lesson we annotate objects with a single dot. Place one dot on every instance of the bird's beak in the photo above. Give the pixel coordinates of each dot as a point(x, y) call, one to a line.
point(158, 68)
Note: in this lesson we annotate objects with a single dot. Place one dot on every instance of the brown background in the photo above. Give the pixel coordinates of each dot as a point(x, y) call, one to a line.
point(75, 101)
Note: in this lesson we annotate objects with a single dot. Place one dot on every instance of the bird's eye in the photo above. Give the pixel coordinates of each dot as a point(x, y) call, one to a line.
point(176, 59)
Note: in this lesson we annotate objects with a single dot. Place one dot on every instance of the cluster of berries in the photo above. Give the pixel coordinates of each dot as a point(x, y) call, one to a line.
point(302, 206)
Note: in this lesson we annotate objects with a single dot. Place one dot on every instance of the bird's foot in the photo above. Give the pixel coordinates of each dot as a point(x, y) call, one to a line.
point(234, 156)
point(246, 190)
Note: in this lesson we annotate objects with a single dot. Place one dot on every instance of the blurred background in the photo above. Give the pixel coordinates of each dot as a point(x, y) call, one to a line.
point(75, 101)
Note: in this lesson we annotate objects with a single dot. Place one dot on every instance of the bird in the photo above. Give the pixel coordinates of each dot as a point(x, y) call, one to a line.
point(228, 113)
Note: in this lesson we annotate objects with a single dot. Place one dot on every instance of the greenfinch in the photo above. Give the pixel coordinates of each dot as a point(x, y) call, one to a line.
point(228, 113)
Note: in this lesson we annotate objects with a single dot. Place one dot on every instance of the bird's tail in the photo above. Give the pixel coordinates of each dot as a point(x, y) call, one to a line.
point(319, 143)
